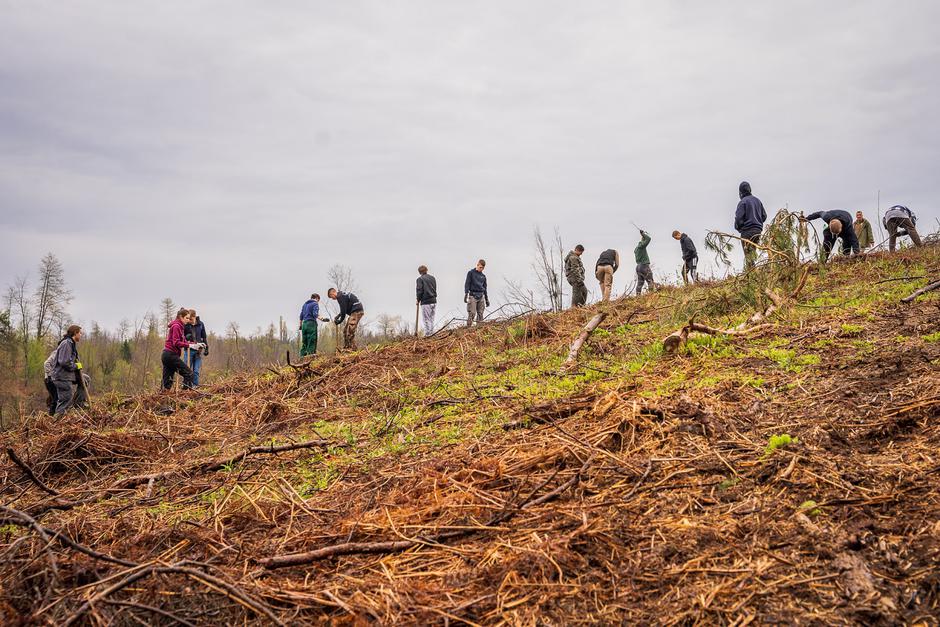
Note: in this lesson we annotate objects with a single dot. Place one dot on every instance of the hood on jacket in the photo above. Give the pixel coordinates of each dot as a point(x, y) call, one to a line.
point(744, 189)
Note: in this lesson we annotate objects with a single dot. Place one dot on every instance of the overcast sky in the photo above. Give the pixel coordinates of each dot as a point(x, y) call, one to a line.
point(225, 154)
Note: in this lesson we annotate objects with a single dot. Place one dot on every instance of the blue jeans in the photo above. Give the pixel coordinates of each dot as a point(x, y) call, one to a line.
point(195, 362)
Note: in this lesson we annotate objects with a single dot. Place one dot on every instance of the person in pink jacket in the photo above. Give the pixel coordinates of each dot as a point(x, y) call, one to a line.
point(173, 349)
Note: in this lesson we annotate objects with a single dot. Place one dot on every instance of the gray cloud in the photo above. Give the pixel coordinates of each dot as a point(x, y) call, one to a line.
point(226, 154)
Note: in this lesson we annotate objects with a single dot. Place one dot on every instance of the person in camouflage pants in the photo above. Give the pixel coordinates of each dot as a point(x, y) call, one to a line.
point(350, 310)
point(574, 273)
point(349, 331)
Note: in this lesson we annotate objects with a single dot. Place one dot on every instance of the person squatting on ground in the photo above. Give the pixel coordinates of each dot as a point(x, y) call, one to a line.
point(426, 297)
point(195, 331)
point(350, 306)
point(643, 271)
point(838, 225)
point(309, 314)
point(173, 349)
point(66, 372)
point(47, 367)
point(689, 257)
point(749, 221)
point(474, 293)
point(900, 217)
point(604, 269)
point(863, 232)
point(574, 273)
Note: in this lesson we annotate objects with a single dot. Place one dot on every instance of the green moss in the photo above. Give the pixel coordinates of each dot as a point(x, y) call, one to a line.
point(933, 337)
point(852, 329)
point(778, 441)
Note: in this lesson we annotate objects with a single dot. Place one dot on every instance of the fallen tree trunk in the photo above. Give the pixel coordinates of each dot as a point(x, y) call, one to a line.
point(927, 288)
point(579, 341)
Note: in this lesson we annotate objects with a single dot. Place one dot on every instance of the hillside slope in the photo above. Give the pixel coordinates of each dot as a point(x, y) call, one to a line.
point(467, 478)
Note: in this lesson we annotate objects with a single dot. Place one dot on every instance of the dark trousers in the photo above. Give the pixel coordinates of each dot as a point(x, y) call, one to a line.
point(690, 268)
point(829, 240)
point(644, 274)
point(172, 364)
point(66, 398)
point(578, 294)
point(53, 396)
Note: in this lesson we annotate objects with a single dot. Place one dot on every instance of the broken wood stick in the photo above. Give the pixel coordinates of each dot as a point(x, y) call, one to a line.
point(29, 472)
point(927, 288)
point(579, 341)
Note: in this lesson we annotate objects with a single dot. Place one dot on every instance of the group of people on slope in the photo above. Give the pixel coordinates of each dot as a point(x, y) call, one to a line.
point(350, 310)
point(749, 219)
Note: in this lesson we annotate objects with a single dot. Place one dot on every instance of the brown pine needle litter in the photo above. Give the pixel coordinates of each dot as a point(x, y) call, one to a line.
point(785, 475)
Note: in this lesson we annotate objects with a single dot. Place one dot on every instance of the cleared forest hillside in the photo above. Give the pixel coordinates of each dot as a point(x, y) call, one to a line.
point(785, 472)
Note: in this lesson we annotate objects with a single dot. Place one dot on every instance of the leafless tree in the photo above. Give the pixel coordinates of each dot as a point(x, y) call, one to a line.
point(341, 277)
point(548, 267)
point(52, 295)
point(19, 304)
point(388, 326)
point(167, 309)
point(518, 298)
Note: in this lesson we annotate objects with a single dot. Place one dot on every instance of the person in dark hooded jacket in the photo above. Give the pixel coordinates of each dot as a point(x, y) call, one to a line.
point(689, 256)
point(749, 222)
point(838, 224)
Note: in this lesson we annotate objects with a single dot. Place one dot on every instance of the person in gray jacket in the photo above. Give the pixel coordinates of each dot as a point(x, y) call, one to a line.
point(900, 217)
point(574, 273)
point(67, 370)
point(426, 294)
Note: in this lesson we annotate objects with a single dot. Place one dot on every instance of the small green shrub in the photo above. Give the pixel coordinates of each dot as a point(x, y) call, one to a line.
point(810, 508)
point(778, 441)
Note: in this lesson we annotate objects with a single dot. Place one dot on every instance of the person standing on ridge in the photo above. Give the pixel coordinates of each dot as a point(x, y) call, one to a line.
point(309, 315)
point(604, 269)
point(838, 225)
point(171, 358)
point(863, 232)
point(474, 293)
point(643, 271)
point(574, 273)
point(349, 305)
point(749, 221)
point(66, 371)
point(900, 217)
point(426, 297)
point(689, 257)
point(195, 331)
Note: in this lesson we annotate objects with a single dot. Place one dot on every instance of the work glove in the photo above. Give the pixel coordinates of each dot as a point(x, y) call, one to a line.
point(205, 350)
point(78, 365)
point(337, 320)
point(466, 297)
point(487, 302)
point(195, 345)
point(324, 319)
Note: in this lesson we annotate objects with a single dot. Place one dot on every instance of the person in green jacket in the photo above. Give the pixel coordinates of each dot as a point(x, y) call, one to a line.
point(574, 272)
point(866, 238)
point(643, 271)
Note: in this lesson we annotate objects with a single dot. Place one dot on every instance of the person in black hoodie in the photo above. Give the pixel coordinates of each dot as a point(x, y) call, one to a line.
point(749, 221)
point(689, 256)
point(426, 294)
point(607, 263)
point(350, 306)
point(196, 332)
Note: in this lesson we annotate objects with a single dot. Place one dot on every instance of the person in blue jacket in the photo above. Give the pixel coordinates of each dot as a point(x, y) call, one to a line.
point(838, 225)
point(749, 221)
point(309, 315)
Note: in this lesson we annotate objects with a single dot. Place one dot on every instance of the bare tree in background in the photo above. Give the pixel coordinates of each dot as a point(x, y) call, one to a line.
point(548, 267)
point(341, 277)
point(19, 304)
point(167, 308)
point(52, 295)
point(390, 327)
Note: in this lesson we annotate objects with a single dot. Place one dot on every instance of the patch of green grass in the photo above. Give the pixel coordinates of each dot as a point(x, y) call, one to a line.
point(729, 483)
point(851, 330)
point(788, 359)
point(933, 337)
point(822, 344)
point(864, 347)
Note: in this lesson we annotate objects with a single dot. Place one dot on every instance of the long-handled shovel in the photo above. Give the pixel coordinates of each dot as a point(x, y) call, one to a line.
point(417, 313)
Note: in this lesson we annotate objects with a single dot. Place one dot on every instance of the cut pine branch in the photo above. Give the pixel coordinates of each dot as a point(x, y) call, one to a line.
point(927, 288)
